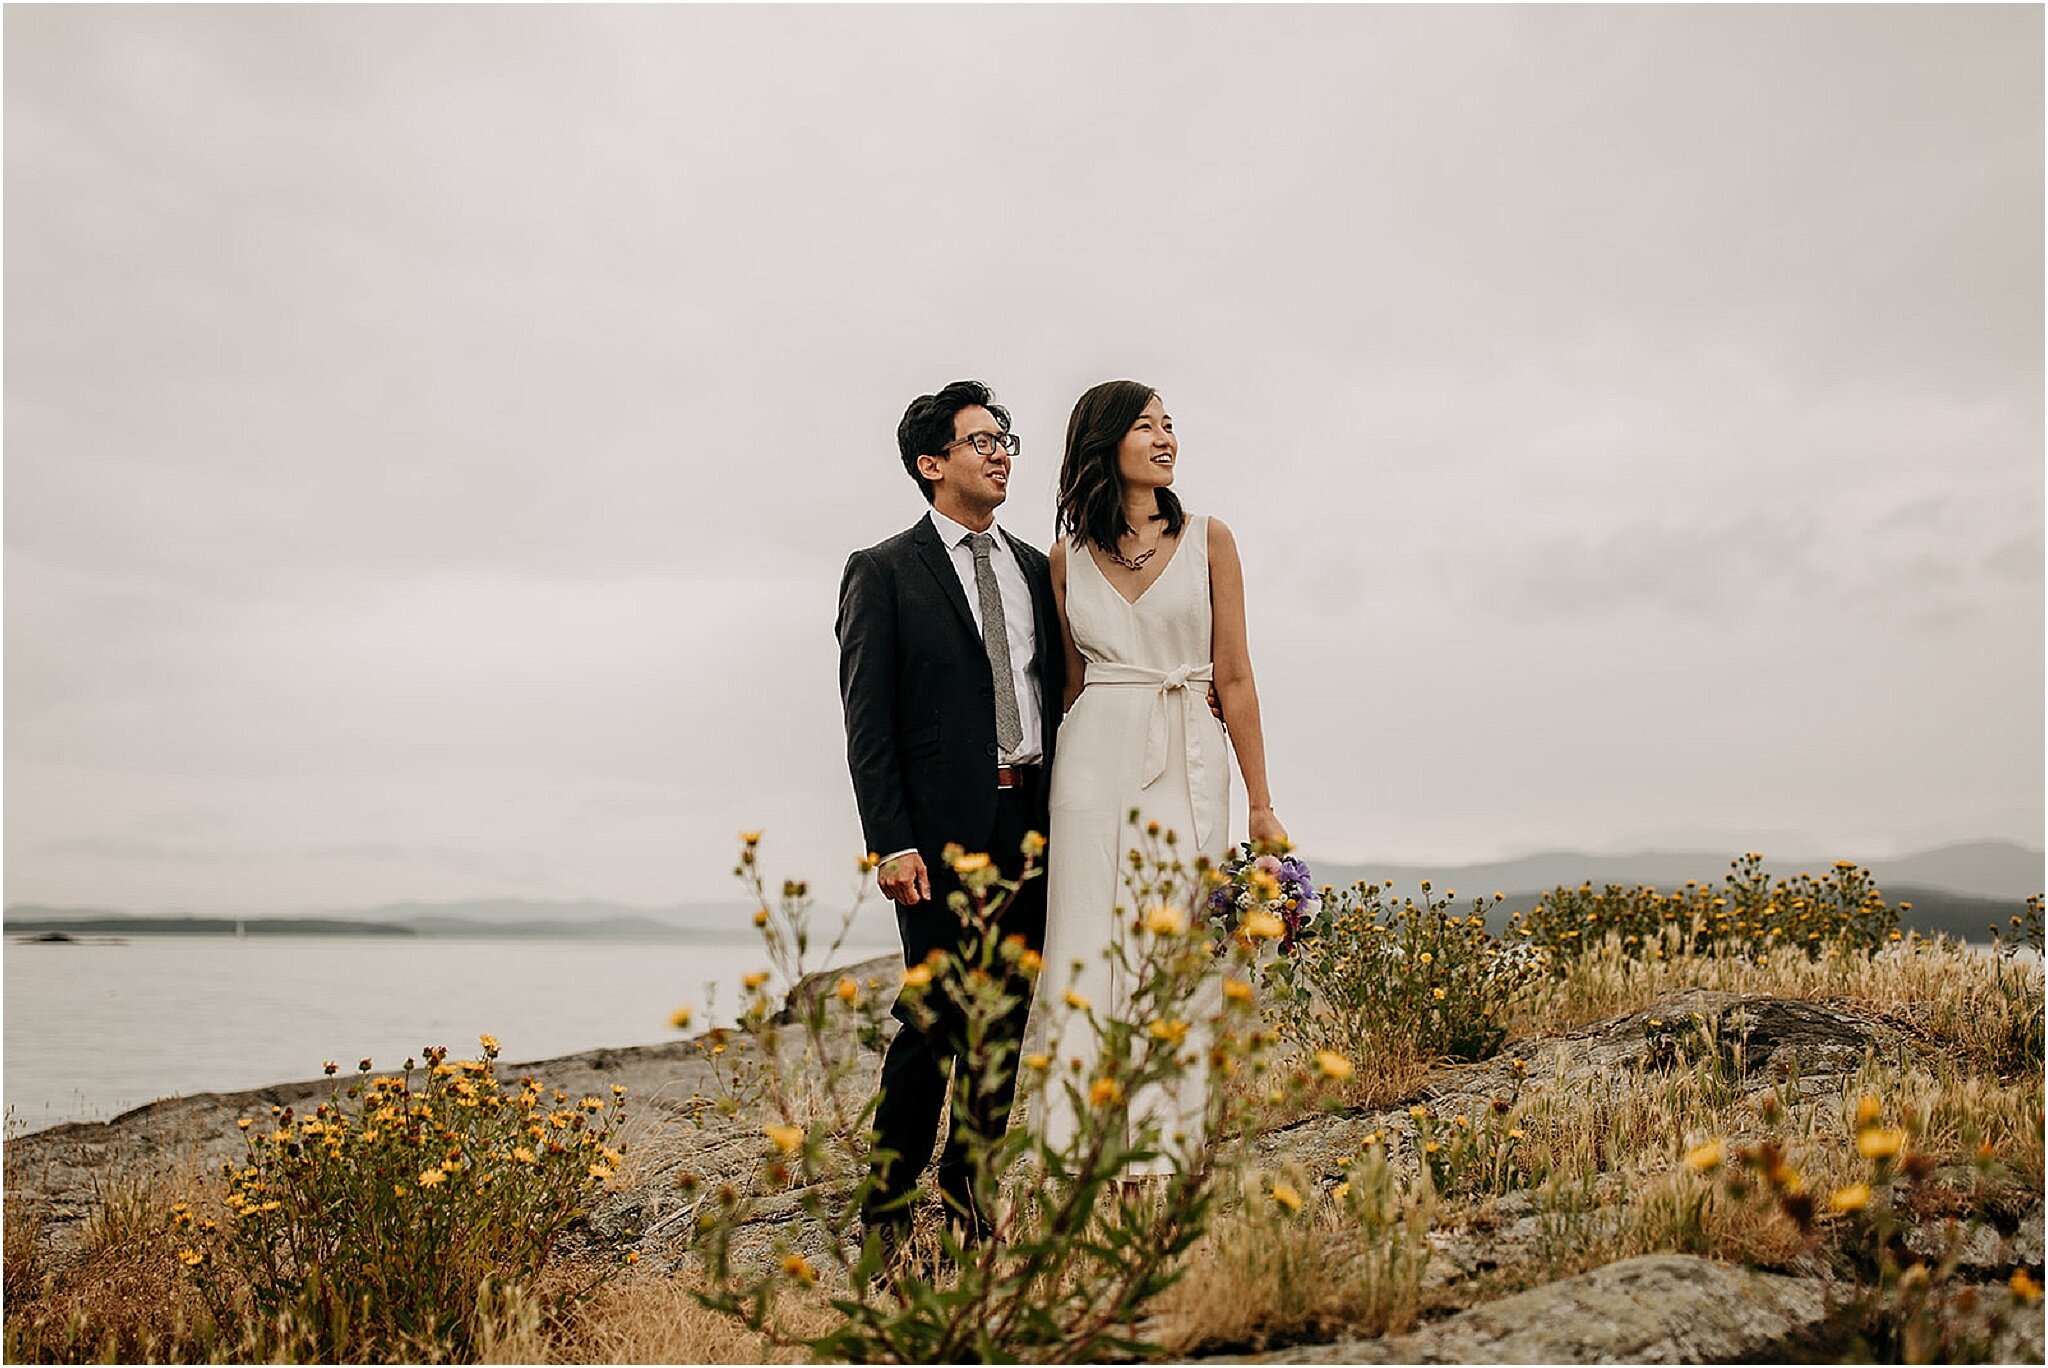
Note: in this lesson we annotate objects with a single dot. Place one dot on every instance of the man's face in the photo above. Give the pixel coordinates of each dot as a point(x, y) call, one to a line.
point(965, 477)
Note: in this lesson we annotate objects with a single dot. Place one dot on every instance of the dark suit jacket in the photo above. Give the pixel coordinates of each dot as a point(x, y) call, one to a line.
point(920, 698)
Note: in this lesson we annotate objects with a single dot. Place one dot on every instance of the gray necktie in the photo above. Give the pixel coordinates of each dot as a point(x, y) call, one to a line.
point(995, 636)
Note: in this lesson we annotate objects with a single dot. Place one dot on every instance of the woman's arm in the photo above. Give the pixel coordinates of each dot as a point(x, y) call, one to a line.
point(1077, 668)
point(1231, 656)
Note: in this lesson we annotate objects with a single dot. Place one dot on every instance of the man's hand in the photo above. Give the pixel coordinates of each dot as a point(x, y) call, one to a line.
point(1216, 705)
point(905, 880)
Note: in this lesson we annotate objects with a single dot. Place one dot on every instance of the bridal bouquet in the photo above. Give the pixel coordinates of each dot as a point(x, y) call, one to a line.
point(1263, 897)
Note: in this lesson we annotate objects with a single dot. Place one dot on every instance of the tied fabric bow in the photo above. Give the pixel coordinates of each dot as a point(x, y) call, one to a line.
point(1190, 682)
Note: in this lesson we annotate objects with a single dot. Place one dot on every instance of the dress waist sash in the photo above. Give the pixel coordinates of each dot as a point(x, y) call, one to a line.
point(1194, 706)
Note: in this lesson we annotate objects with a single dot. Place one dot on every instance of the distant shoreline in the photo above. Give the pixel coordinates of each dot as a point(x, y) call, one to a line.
point(39, 930)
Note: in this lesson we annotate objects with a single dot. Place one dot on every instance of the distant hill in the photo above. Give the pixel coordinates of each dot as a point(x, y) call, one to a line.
point(31, 921)
point(1983, 869)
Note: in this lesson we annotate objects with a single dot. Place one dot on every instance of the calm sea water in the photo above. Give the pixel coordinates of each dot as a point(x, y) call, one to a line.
point(95, 1028)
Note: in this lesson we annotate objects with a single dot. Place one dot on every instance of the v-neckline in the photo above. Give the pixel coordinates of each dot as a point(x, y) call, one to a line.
point(1130, 602)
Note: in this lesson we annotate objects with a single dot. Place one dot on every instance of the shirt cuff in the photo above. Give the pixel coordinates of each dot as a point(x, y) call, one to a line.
point(899, 855)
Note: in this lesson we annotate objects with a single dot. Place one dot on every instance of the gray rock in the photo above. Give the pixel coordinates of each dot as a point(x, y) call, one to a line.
point(1978, 1249)
point(1659, 1308)
point(2025, 1245)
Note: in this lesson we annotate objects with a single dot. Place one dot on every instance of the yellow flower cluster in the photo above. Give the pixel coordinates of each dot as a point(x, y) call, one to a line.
point(485, 1174)
point(1747, 912)
point(472, 1130)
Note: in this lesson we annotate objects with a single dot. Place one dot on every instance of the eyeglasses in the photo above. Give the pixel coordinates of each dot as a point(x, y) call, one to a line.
point(985, 443)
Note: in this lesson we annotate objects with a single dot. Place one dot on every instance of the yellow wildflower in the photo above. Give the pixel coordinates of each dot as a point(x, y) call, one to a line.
point(751, 837)
point(1164, 919)
point(1237, 990)
point(1105, 1092)
point(1854, 1197)
point(523, 1155)
point(760, 916)
point(1333, 1064)
point(490, 1044)
point(1867, 1112)
point(1264, 926)
point(432, 1177)
point(1036, 1061)
point(2024, 1287)
point(848, 991)
point(1427, 958)
point(1075, 1000)
point(680, 1019)
point(1878, 1143)
point(970, 864)
point(1287, 1196)
point(1342, 1190)
point(788, 1139)
point(917, 976)
point(754, 980)
point(1030, 962)
point(1706, 1158)
point(1438, 994)
point(191, 1258)
point(1173, 1032)
point(798, 1267)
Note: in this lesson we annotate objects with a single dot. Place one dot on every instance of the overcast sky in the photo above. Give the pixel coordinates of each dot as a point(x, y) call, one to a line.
point(434, 435)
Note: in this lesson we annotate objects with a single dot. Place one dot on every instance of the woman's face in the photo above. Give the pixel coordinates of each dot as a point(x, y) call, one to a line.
point(1146, 455)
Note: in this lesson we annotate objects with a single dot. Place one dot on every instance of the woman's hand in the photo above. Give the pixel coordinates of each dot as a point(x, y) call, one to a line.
point(1264, 826)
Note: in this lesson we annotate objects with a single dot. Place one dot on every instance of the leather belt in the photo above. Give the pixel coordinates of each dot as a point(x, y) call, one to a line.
point(1009, 776)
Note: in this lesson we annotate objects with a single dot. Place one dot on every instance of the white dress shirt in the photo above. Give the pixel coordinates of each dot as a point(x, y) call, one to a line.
point(1019, 621)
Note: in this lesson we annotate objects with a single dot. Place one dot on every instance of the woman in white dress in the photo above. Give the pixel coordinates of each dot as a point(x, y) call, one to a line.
point(1151, 606)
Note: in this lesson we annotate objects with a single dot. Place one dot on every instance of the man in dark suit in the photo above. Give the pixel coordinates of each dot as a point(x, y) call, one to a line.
point(950, 669)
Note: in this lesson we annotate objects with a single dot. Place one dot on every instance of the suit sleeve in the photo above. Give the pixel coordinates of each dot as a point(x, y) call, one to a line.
point(867, 690)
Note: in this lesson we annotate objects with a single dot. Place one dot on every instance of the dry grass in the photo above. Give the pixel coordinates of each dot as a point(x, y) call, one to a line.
point(1266, 1274)
point(640, 1319)
point(125, 1302)
point(1602, 1160)
point(1971, 1000)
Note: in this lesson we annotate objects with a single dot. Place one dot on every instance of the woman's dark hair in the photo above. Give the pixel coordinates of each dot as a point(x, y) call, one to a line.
point(1091, 503)
point(928, 423)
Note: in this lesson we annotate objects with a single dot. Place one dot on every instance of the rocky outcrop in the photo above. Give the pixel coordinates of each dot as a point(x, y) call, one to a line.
point(1758, 1042)
point(1657, 1308)
point(1660, 1308)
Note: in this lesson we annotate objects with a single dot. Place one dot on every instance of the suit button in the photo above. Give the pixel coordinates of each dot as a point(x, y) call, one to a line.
point(991, 748)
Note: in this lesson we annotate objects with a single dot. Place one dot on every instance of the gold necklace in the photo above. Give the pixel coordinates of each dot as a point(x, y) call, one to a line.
point(1138, 563)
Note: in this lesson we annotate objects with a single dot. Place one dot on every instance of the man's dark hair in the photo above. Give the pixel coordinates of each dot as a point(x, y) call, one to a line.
point(1091, 503)
point(928, 423)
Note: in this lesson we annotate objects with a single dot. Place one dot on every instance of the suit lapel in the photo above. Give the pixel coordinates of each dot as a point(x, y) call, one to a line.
point(936, 558)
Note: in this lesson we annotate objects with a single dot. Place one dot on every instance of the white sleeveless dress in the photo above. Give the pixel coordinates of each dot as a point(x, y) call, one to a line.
point(1140, 736)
